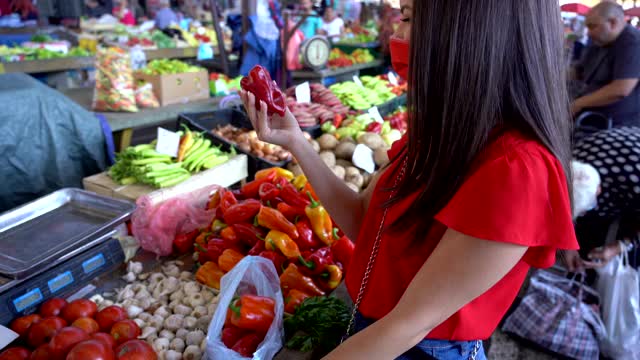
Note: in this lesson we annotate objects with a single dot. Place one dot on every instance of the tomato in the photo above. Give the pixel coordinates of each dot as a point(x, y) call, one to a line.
point(52, 307)
point(15, 353)
point(43, 331)
point(65, 339)
point(109, 316)
point(125, 330)
point(136, 350)
point(79, 308)
point(43, 352)
point(106, 338)
point(89, 325)
point(91, 350)
point(22, 324)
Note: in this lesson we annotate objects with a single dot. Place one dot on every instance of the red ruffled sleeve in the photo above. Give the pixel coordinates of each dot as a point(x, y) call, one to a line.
point(518, 197)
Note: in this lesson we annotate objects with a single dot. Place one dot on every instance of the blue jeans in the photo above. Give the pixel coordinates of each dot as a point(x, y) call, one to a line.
point(434, 349)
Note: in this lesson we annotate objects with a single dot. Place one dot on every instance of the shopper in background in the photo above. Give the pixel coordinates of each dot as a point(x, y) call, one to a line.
point(313, 23)
point(165, 16)
point(97, 8)
point(332, 25)
point(476, 193)
point(610, 68)
point(124, 13)
point(25, 9)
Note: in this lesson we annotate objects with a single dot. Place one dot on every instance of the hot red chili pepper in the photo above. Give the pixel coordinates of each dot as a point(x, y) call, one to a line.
point(227, 200)
point(342, 250)
point(308, 189)
point(248, 344)
point(268, 192)
point(317, 262)
point(248, 233)
point(253, 312)
point(238, 194)
point(231, 334)
point(292, 278)
point(242, 212)
point(257, 249)
point(260, 84)
point(272, 219)
point(252, 189)
point(290, 212)
point(337, 120)
point(375, 127)
point(293, 300)
point(277, 259)
point(216, 247)
point(306, 240)
point(290, 195)
point(184, 242)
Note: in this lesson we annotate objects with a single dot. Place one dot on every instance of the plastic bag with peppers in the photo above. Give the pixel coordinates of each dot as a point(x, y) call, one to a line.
point(145, 98)
point(114, 81)
point(252, 276)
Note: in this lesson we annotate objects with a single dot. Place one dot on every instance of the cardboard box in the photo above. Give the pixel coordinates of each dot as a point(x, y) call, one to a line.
point(178, 88)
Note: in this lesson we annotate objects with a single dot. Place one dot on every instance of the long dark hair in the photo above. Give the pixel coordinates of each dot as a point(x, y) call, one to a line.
point(478, 66)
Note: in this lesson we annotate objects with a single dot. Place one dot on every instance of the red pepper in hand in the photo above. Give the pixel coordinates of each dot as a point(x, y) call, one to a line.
point(253, 313)
point(294, 299)
point(317, 262)
point(272, 219)
point(252, 189)
point(342, 250)
point(248, 344)
point(290, 212)
point(184, 242)
point(277, 259)
point(248, 234)
point(306, 240)
point(242, 212)
point(231, 334)
point(258, 248)
point(268, 192)
point(375, 127)
point(277, 240)
point(290, 195)
point(264, 89)
point(229, 259)
point(320, 221)
point(292, 278)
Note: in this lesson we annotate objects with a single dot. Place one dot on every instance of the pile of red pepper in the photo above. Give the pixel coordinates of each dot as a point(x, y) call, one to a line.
point(278, 217)
point(249, 318)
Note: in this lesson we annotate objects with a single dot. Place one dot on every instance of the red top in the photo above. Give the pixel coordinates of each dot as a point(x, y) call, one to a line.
point(515, 193)
point(127, 18)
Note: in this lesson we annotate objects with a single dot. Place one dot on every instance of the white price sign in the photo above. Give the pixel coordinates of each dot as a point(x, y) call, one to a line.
point(168, 142)
point(363, 158)
point(393, 79)
point(303, 93)
point(357, 80)
point(375, 114)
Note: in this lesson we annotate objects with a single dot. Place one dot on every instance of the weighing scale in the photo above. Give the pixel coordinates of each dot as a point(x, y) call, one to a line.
point(315, 52)
point(56, 245)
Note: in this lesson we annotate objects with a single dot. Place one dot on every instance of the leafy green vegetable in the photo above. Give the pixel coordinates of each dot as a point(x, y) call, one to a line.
point(319, 322)
point(41, 38)
point(166, 66)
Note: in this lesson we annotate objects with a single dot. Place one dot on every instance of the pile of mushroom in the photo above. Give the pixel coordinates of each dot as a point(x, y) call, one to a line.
point(171, 308)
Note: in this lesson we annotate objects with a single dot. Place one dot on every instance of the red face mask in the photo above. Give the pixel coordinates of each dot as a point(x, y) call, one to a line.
point(400, 56)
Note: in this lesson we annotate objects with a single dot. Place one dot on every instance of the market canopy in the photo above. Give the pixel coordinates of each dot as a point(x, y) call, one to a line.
point(580, 9)
point(633, 12)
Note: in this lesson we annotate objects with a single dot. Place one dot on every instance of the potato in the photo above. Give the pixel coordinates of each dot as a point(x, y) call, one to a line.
point(348, 139)
point(315, 145)
point(373, 141)
point(351, 171)
point(339, 171)
point(345, 150)
point(328, 158)
point(355, 179)
point(381, 157)
point(353, 187)
point(327, 142)
point(344, 163)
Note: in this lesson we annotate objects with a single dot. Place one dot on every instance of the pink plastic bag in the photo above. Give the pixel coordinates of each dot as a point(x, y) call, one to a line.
point(157, 221)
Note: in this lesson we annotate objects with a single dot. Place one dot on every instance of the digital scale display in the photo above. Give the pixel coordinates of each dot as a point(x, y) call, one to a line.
point(29, 299)
point(60, 282)
point(93, 264)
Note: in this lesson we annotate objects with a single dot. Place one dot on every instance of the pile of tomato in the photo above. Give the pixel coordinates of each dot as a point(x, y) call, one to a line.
point(76, 330)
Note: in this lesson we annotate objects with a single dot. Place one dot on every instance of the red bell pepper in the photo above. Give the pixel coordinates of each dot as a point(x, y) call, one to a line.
point(252, 189)
point(306, 240)
point(229, 259)
point(258, 248)
point(229, 234)
point(279, 173)
point(248, 344)
point(253, 312)
point(274, 220)
point(264, 89)
point(375, 127)
point(216, 247)
point(183, 243)
point(294, 299)
point(317, 262)
point(292, 278)
point(242, 212)
point(231, 334)
point(290, 212)
point(277, 259)
point(267, 192)
point(227, 200)
point(290, 195)
point(248, 234)
point(330, 279)
point(342, 250)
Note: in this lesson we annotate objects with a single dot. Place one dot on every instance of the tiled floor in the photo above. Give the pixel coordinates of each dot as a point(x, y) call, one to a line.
point(504, 347)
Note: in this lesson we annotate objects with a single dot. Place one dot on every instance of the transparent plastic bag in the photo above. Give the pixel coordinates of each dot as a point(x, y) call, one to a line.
point(114, 89)
point(163, 214)
point(145, 98)
point(253, 275)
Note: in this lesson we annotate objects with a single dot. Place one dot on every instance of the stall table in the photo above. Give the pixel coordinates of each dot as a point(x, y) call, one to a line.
point(337, 75)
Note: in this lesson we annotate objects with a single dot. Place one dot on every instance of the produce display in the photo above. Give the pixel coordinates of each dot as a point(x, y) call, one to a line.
point(356, 127)
point(168, 66)
point(358, 34)
point(374, 91)
point(221, 84)
point(338, 58)
point(324, 106)
point(114, 89)
point(259, 83)
point(247, 141)
point(76, 330)
point(248, 320)
point(142, 164)
point(19, 53)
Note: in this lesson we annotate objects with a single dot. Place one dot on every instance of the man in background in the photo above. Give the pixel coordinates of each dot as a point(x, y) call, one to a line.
point(165, 16)
point(610, 68)
point(313, 23)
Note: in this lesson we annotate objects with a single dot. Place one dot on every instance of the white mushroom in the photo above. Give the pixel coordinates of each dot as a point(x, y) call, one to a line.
point(203, 322)
point(178, 295)
point(186, 275)
point(148, 331)
point(192, 352)
point(174, 322)
point(171, 270)
point(134, 267)
point(133, 311)
point(125, 293)
point(141, 323)
point(195, 337)
point(167, 334)
point(166, 287)
point(151, 339)
point(182, 310)
point(172, 355)
point(196, 300)
point(156, 321)
point(162, 311)
point(177, 344)
point(137, 287)
point(145, 316)
point(129, 302)
point(182, 333)
point(155, 278)
point(199, 311)
point(189, 322)
point(142, 294)
point(160, 344)
point(191, 287)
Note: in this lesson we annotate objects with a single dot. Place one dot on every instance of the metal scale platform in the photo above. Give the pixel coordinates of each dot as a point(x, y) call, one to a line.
point(55, 245)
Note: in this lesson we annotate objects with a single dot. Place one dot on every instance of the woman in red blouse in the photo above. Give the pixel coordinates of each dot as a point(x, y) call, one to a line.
point(476, 193)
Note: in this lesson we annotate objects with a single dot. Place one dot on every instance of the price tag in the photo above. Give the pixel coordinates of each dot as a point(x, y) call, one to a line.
point(168, 142)
point(7, 336)
point(375, 114)
point(303, 93)
point(356, 79)
point(363, 158)
point(393, 79)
